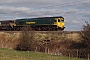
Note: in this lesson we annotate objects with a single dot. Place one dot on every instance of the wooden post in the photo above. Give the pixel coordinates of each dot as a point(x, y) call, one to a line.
point(48, 50)
point(88, 56)
point(36, 49)
point(46, 45)
point(69, 56)
point(77, 53)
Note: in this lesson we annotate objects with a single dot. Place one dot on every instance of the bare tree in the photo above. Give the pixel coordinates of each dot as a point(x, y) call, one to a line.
point(86, 34)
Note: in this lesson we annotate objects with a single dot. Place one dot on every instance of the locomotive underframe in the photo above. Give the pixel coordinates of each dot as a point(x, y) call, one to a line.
point(6, 27)
point(38, 27)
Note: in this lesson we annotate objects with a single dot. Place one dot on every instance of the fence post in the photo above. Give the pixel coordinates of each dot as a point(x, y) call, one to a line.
point(48, 51)
point(88, 56)
point(77, 53)
point(69, 56)
point(36, 49)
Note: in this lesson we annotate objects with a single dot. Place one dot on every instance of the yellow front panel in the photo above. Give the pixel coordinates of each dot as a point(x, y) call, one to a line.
point(14, 23)
point(59, 24)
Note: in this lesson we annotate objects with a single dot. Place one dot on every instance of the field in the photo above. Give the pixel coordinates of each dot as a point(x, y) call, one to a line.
point(9, 54)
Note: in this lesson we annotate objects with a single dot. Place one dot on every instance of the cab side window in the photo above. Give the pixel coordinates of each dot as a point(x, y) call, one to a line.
point(55, 20)
point(59, 20)
point(62, 20)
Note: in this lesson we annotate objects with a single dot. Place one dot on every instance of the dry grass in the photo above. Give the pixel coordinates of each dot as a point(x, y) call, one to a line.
point(75, 37)
point(11, 40)
point(8, 40)
point(49, 36)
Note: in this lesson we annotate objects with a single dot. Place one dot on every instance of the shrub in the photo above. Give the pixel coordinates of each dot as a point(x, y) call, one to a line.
point(26, 41)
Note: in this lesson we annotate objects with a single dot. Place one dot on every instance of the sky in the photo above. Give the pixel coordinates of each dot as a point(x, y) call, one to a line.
point(75, 12)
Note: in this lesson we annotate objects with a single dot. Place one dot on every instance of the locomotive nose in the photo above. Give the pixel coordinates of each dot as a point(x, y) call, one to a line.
point(62, 25)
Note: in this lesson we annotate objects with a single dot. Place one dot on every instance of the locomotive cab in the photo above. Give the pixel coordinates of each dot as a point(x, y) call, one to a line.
point(60, 23)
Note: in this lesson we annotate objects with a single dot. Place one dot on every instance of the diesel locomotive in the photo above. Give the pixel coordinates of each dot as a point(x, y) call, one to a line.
point(37, 24)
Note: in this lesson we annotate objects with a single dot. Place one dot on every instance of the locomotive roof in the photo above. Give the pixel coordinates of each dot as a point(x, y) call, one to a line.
point(52, 17)
point(41, 17)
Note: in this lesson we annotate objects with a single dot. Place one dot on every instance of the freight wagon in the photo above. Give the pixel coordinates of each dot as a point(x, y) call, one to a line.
point(6, 25)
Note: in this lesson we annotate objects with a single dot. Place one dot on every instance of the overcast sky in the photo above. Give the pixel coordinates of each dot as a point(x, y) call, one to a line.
point(75, 12)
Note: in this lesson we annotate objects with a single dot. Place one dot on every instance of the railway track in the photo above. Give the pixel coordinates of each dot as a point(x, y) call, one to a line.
point(42, 31)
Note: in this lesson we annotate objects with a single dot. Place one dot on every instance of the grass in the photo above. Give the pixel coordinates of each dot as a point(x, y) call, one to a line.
point(9, 54)
point(11, 40)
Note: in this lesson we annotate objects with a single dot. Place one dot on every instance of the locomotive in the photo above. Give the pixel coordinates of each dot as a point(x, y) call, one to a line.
point(37, 24)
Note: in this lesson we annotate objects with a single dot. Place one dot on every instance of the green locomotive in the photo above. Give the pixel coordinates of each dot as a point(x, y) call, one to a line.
point(41, 23)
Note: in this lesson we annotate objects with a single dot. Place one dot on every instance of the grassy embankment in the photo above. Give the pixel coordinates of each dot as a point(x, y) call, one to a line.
point(9, 54)
point(10, 40)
